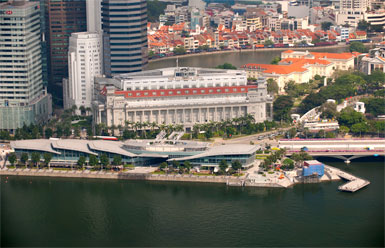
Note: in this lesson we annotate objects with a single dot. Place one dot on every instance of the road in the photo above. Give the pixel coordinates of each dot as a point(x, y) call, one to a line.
point(251, 138)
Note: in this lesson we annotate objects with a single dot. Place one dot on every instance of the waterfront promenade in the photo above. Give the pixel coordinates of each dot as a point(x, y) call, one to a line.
point(251, 178)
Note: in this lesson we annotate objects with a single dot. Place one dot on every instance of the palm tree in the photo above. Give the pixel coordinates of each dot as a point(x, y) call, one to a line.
point(73, 109)
point(88, 110)
point(153, 125)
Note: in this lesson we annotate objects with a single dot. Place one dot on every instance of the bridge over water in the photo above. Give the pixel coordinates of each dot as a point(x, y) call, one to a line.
point(345, 149)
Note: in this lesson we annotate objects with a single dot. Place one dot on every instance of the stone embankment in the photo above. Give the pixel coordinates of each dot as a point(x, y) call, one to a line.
point(117, 175)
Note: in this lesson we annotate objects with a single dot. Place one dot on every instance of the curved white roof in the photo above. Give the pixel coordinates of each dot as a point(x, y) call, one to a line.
point(110, 146)
point(34, 144)
point(233, 149)
point(73, 145)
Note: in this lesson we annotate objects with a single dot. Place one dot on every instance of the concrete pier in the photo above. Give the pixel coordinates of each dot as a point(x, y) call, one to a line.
point(355, 183)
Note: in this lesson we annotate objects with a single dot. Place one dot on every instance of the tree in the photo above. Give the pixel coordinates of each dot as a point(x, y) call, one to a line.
point(282, 107)
point(288, 163)
point(35, 157)
point(357, 47)
point(343, 130)
point(175, 164)
point(187, 165)
point(179, 50)
point(268, 43)
point(77, 131)
point(348, 117)
point(82, 110)
point(326, 25)
point(12, 158)
point(81, 161)
point(24, 158)
point(208, 134)
point(59, 131)
point(275, 60)
point(329, 110)
point(48, 132)
point(374, 105)
point(330, 135)
point(363, 25)
point(155, 9)
point(227, 66)
point(292, 133)
point(359, 128)
point(223, 165)
point(236, 165)
point(272, 86)
point(47, 158)
point(104, 159)
point(93, 161)
point(163, 165)
point(117, 160)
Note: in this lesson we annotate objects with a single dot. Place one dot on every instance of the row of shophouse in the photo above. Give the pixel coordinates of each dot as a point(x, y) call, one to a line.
point(164, 39)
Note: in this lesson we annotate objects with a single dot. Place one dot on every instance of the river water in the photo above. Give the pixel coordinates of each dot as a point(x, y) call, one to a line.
point(93, 212)
point(236, 58)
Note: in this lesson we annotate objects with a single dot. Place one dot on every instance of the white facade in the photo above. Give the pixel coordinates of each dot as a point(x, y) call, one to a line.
point(84, 63)
point(352, 11)
point(94, 16)
point(180, 96)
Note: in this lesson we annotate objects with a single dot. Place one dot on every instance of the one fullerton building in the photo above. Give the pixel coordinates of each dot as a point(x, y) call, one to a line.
point(185, 96)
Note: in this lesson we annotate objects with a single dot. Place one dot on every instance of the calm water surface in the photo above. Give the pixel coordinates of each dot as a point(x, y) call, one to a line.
point(237, 58)
point(88, 212)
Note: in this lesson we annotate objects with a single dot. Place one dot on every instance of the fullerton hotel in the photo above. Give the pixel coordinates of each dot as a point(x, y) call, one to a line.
point(180, 95)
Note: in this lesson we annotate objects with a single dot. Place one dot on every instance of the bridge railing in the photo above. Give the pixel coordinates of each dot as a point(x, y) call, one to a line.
point(329, 150)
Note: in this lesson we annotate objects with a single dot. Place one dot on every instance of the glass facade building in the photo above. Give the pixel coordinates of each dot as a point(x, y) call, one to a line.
point(23, 99)
point(124, 25)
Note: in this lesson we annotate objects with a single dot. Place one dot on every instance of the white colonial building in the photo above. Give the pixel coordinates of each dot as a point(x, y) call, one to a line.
point(84, 63)
point(180, 96)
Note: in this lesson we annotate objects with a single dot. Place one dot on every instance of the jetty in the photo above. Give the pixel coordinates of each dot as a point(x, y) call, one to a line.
point(354, 183)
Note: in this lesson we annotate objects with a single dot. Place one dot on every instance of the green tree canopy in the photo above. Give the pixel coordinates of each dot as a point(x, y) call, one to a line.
point(24, 157)
point(329, 110)
point(374, 105)
point(47, 157)
point(81, 161)
point(363, 25)
point(155, 9)
point(268, 43)
point(227, 66)
point(356, 46)
point(348, 117)
point(35, 157)
point(117, 160)
point(104, 159)
point(12, 158)
point(326, 25)
point(272, 86)
point(282, 107)
point(223, 165)
point(93, 161)
point(179, 50)
point(275, 60)
point(236, 165)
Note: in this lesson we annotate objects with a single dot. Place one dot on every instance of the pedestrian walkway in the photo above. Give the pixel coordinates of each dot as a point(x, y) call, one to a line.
point(355, 183)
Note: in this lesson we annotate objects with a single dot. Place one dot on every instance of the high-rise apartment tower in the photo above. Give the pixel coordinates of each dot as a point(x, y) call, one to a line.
point(124, 24)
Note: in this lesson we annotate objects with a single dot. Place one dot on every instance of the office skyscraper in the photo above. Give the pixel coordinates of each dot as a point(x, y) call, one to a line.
point(23, 99)
point(124, 24)
point(94, 16)
point(63, 17)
